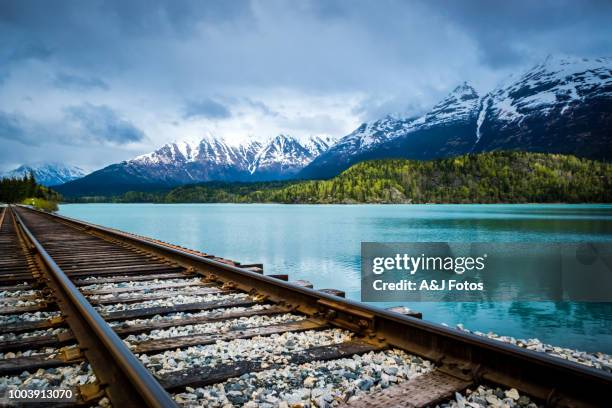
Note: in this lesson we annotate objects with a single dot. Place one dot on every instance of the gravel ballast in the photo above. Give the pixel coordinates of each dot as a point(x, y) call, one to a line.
point(485, 397)
point(177, 300)
point(51, 351)
point(597, 360)
point(19, 293)
point(268, 350)
point(68, 377)
point(215, 328)
point(186, 315)
point(27, 317)
point(317, 384)
point(148, 283)
point(30, 334)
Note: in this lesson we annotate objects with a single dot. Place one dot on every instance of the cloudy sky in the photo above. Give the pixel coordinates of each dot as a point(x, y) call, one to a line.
point(94, 82)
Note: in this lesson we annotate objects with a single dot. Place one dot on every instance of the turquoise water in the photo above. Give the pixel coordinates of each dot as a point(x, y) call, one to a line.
point(321, 243)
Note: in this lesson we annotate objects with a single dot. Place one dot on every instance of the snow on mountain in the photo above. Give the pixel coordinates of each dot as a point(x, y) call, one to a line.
point(282, 153)
point(277, 158)
point(563, 105)
point(206, 159)
point(48, 174)
point(460, 106)
point(318, 144)
point(558, 81)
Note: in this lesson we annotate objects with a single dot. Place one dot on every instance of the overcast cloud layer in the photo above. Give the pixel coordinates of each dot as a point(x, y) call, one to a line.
point(95, 82)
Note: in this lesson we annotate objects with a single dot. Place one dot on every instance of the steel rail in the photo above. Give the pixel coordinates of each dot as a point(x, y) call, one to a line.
point(2, 214)
point(550, 379)
point(142, 382)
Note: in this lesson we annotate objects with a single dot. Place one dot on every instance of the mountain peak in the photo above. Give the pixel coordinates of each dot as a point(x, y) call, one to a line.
point(48, 173)
point(213, 158)
point(464, 91)
point(570, 68)
point(460, 105)
point(555, 84)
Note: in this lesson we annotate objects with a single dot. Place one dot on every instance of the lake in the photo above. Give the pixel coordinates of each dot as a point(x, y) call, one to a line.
point(321, 243)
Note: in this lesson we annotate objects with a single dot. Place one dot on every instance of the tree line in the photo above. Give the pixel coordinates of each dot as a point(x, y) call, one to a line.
point(18, 189)
point(495, 177)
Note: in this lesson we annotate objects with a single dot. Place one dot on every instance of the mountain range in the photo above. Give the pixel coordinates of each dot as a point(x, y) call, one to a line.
point(563, 105)
point(47, 174)
point(206, 159)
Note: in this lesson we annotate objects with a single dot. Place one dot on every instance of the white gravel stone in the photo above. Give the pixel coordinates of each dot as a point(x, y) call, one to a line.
point(68, 377)
point(94, 279)
point(597, 360)
point(177, 300)
point(30, 334)
point(186, 315)
point(316, 384)
point(184, 291)
point(11, 302)
point(19, 293)
point(104, 403)
point(215, 327)
point(17, 354)
point(27, 317)
point(487, 397)
point(272, 349)
point(148, 283)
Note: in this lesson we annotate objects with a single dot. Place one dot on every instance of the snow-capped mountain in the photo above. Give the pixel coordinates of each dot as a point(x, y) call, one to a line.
point(449, 122)
point(286, 155)
point(211, 158)
point(206, 159)
point(48, 174)
point(563, 105)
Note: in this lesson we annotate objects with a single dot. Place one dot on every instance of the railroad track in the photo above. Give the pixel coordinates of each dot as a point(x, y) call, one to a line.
point(125, 320)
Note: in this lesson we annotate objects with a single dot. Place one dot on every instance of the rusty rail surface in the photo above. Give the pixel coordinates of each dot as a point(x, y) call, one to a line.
point(461, 359)
point(129, 382)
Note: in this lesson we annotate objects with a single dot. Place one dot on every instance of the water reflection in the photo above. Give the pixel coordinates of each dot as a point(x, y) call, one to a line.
point(322, 244)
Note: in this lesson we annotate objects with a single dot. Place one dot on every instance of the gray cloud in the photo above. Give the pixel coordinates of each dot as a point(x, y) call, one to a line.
point(78, 83)
point(14, 126)
point(398, 56)
point(104, 124)
point(205, 108)
point(10, 126)
point(261, 107)
point(29, 51)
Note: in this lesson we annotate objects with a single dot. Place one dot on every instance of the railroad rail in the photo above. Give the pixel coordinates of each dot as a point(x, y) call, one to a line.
point(160, 325)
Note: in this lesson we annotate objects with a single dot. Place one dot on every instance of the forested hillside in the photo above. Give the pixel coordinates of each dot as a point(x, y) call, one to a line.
point(18, 189)
point(498, 177)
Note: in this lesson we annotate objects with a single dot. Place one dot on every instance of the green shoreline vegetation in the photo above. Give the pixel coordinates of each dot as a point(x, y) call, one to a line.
point(496, 177)
point(25, 190)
